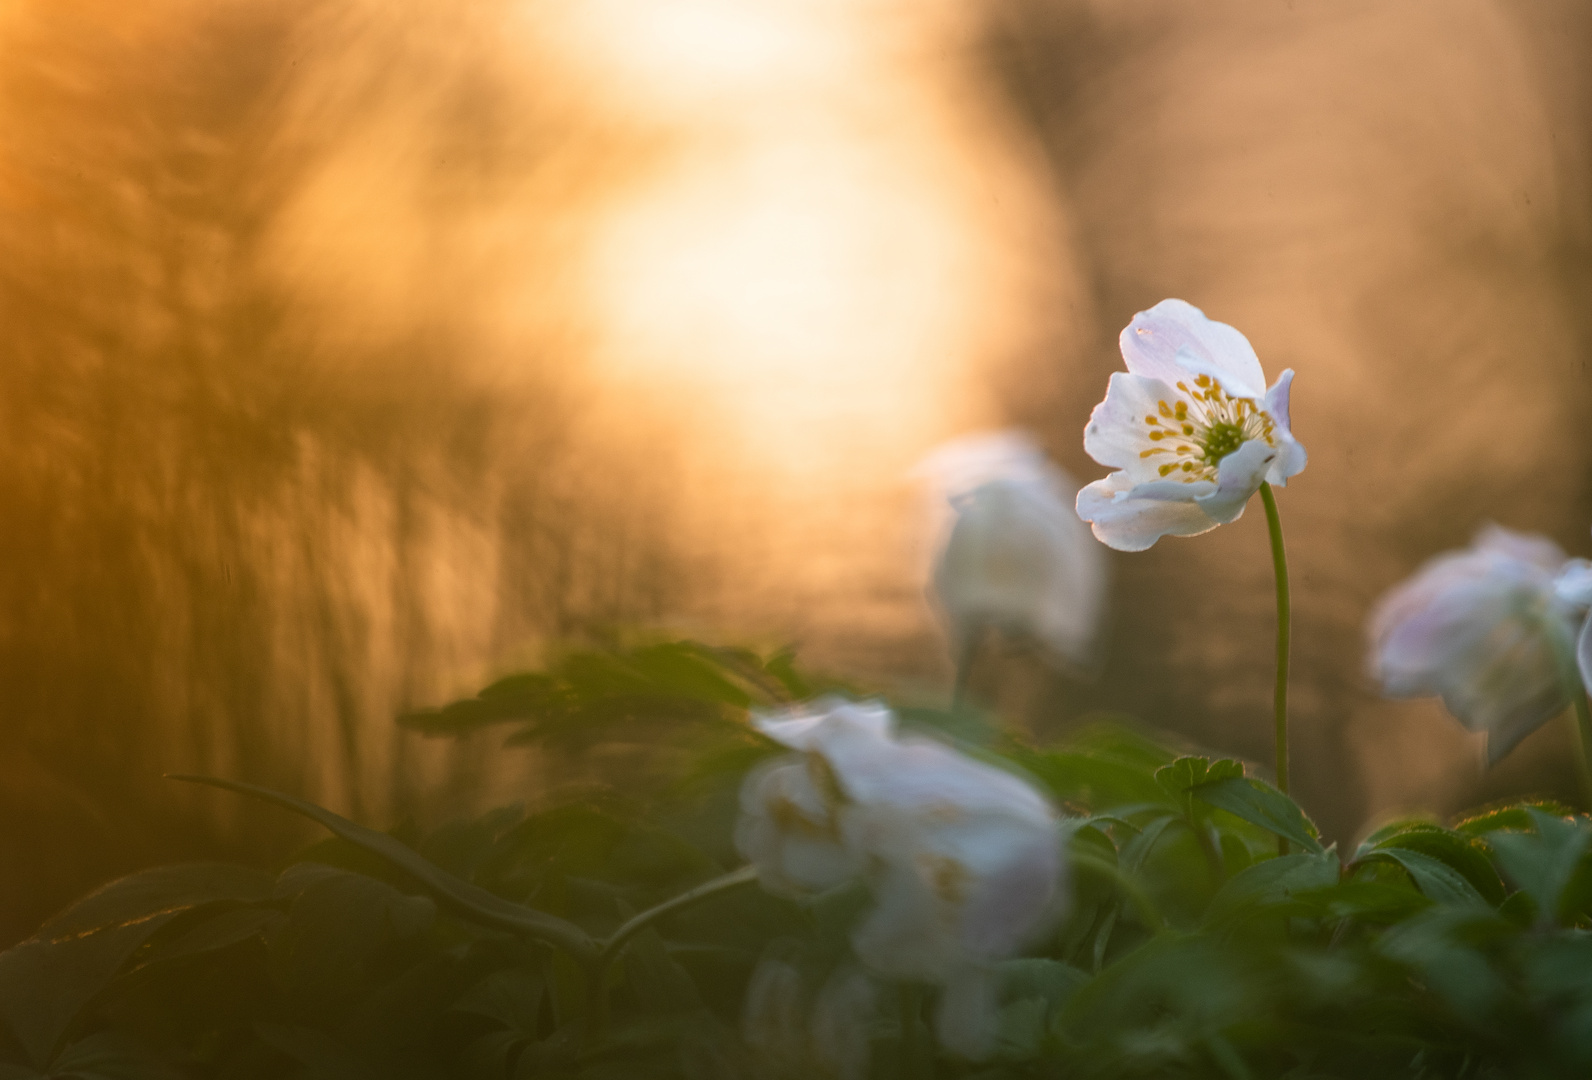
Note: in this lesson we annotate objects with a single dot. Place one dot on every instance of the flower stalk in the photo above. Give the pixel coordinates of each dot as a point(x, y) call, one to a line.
point(597, 972)
point(1279, 563)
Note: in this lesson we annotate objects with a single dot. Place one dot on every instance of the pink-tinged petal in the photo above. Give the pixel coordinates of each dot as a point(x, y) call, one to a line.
point(1174, 339)
point(1238, 476)
point(1291, 456)
point(1521, 547)
point(1126, 523)
point(1117, 435)
point(1480, 628)
point(1277, 400)
point(1290, 460)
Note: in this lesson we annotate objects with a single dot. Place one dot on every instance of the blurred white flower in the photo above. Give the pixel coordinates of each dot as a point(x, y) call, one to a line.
point(1487, 629)
point(1190, 428)
point(801, 1034)
point(963, 858)
point(1016, 555)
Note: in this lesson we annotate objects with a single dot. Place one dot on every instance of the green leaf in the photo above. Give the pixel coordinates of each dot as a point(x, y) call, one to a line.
point(1542, 863)
point(1461, 853)
point(460, 897)
point(1515, 816)
point(107, 1055)
point(48, 979)
point(1273, 882)
point(1260, 804)
point(1188, 772)
point(338, 923)
point(220, 932)
point(1037, 977)
point(511, 996)
point(1437, 880)
point(1438, 946)
point(152, 892)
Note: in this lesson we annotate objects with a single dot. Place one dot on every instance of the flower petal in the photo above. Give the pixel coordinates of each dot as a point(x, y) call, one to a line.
point(1126, 521)
point(1174, 339)
point(1019, 558)
point(957, 467)
point(1237, 478)
point(1527, 548)
point(802, 727)
point(1583, 654)
point(1291, 457)
point(1573, 584)
point(1116, 435)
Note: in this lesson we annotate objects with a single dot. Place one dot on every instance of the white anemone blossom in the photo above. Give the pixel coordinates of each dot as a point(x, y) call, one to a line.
point(1015, 556)
point(1190, 428)
point(1489, 630)
point(963, 859)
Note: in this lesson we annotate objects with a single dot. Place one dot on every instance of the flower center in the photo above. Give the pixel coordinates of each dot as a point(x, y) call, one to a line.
point(1221, 440)
point(1202, 428)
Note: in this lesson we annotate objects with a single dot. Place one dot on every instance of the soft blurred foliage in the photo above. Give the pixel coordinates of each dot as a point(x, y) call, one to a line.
point(488, 946)
point(349, 347)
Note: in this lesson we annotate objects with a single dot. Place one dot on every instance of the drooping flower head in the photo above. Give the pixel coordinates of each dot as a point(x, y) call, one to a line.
point(1190, 428)
point(1014, 556)
point(963, 859)
point(1488, 629)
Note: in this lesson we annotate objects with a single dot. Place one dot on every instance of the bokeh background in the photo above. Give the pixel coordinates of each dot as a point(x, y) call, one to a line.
point(351, 352)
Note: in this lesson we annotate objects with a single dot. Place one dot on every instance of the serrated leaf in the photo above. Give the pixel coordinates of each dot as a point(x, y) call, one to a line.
point(1515, 816)
point(1459, 852)
point(1260, 804)
point(1437, 880)
point(1188, 772)
point(460, 897)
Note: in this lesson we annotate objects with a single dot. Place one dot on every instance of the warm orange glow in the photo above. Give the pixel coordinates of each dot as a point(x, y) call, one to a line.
point(814, 252)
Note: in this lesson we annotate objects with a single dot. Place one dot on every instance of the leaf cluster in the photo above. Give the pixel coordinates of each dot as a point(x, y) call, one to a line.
point(1210, 932)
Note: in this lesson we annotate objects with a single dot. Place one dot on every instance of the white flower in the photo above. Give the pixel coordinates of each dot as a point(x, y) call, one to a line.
point(802, 1034)
point(1487, 629)
point(1190, 428)
point(1016, 556)
point(963, 858)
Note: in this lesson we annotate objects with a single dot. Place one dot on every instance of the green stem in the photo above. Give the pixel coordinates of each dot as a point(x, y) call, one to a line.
point(1583, 723)
point(597, 971)
point(615, 945)
point(1279, 563)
